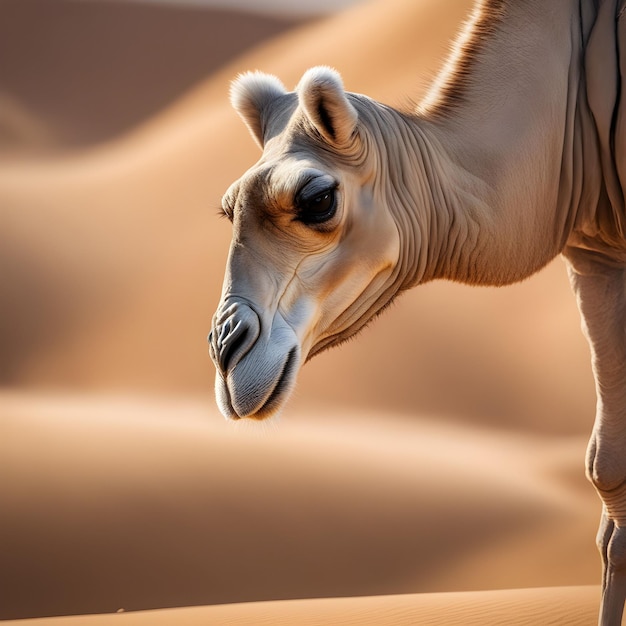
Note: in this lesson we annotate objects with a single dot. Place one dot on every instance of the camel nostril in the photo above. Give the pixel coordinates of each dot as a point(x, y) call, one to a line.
point(232, 338)
point(231, 344)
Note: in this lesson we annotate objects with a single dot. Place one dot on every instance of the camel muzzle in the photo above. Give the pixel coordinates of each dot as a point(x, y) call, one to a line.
point(256, 361)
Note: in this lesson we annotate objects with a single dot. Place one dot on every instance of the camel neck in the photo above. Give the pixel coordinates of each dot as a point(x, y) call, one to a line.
point(491, 153)
point(446, 228)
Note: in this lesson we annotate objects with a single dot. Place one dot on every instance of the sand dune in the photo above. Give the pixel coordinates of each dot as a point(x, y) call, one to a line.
point(441, 452)
point(86, 71)
point(574, 606)
point(148, 504)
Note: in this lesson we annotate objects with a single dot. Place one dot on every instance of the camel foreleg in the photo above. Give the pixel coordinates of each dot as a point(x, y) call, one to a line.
point(611, 541)
point(601, 293)
point(602, 541)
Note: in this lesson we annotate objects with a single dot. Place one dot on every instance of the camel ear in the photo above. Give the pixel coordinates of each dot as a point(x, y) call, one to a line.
point(251, 95)
point(326, 105)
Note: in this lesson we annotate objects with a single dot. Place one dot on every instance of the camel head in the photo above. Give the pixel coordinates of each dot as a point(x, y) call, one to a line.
point(314, 252)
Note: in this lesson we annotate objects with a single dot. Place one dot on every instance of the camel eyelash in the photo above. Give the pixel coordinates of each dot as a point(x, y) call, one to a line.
point(223, 213)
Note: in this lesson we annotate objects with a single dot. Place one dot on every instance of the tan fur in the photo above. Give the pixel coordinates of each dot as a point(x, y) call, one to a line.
point(447, 91)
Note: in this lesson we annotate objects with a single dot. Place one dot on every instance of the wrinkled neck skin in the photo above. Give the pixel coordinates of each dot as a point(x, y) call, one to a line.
point(455, 223)
point(484, 191)
point(438, 207)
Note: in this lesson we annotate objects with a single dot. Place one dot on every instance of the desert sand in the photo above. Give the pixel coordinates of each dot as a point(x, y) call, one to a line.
point(566, 605)
point(430, 472)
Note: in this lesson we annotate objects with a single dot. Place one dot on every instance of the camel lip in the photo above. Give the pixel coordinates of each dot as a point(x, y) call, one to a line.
point(273, 402)
point(225, 403)
point(281, 386)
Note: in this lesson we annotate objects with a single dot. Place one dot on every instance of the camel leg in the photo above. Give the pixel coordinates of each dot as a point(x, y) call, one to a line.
point(614, 587)
point(612, 546)
point(600, 290)
point(602, 541)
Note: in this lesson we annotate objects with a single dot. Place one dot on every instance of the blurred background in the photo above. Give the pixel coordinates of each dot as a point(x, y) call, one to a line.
point(116, 144)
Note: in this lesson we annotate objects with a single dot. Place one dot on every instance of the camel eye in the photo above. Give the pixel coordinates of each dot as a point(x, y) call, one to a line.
point(317, 209)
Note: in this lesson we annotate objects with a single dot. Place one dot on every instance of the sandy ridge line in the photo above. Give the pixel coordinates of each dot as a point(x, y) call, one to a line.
point(574, 606)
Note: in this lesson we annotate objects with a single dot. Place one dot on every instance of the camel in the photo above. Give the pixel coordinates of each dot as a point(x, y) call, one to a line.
point(516, 155)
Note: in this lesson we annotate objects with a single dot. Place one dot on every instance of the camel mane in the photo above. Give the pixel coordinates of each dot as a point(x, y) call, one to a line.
point(448, 89)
